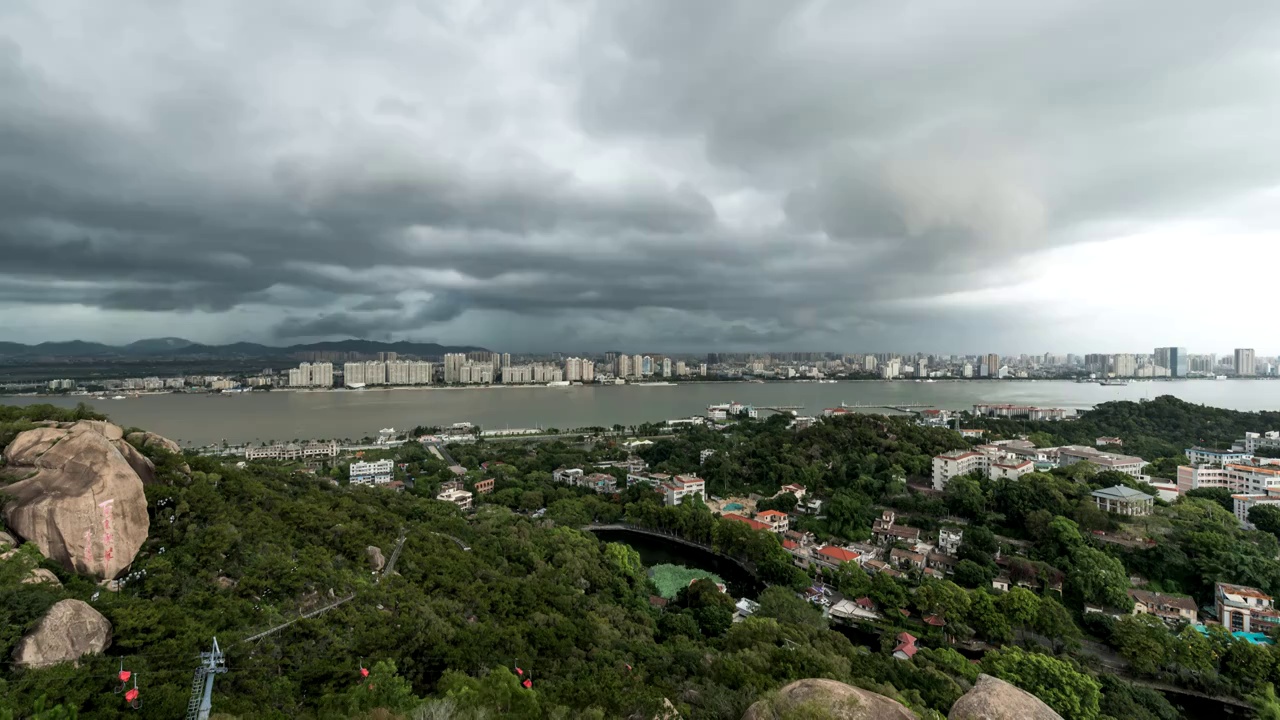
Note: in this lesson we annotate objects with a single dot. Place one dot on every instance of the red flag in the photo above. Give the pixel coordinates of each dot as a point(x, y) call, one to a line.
point(125, 675)
point(527, 684)
point(364, 672)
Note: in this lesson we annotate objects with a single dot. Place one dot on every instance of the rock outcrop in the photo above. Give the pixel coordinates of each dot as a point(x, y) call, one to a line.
point(40, 575)
point(79, 496)
point(827, 699)
point(994, 699)
point(69, 630)
point(376, 561)
point(7, 541)
point(146, 440)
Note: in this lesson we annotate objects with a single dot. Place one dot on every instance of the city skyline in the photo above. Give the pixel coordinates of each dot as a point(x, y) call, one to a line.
point(594, 175)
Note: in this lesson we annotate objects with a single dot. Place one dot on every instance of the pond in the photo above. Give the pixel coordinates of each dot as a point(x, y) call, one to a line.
point(659, 551)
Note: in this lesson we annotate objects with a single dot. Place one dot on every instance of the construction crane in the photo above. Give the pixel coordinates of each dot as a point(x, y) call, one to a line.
point(212, 663)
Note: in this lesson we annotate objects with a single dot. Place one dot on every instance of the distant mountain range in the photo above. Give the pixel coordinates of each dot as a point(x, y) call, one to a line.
point(179, 348)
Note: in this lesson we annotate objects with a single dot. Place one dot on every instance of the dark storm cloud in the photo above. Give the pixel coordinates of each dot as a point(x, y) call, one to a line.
point(753, 174)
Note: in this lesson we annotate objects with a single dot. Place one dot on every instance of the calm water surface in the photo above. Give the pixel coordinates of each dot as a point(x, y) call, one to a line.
point(202, 419)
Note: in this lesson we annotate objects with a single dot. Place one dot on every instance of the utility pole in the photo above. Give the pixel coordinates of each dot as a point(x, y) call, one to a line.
point(211, 664)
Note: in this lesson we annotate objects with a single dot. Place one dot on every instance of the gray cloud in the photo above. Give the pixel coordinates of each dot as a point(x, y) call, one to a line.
point(607, 174)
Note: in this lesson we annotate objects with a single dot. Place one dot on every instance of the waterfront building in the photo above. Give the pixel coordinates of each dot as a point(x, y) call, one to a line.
point(377, 472)
point(702, 370)
point(311, 375)
point(637, 366)
point(666, 367)
point(1174, 359)
point(291, 451)
point(1245, 363)
point(453, 363)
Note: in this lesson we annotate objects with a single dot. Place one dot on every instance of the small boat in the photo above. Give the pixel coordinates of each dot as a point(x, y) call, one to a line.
point(118, 397)
point(1113, 383)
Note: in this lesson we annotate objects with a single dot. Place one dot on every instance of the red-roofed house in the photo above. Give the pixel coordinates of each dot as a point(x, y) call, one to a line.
point(775, 519)
point(753, 524)
point(833, 557)
point(906, 648)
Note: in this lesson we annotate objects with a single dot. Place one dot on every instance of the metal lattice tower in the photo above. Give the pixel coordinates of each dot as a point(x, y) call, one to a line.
point(211, 664)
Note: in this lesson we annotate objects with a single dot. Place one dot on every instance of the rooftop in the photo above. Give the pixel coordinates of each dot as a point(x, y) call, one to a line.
point(1121, 492)
point(838, 554)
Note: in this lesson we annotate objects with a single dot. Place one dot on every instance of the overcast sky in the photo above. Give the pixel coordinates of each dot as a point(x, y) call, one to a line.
point(1002, 176)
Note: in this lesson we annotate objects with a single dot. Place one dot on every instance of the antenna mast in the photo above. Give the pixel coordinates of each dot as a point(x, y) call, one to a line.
point(211, 664)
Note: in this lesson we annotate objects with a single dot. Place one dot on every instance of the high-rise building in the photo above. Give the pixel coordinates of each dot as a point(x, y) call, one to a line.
point(622, 366)
point(990, 365)
point(666, 367)
point(637, 366)
point(1245, 363)
point(681, 368)
point(353, 374)
point(646, 365)
point(453, 367)
point(1124, 365)
point(506, 360)
point(1173, 359)
point(702, 370)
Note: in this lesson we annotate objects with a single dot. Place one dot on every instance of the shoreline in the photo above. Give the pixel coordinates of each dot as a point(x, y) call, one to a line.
point(678, 383)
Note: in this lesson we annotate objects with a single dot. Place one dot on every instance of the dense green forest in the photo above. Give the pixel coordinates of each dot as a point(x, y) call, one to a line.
point(233, 551)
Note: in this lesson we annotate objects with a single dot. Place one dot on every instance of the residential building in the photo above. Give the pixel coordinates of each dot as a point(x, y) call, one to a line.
point(1243, 609)
point(906, 559)
point(680, 487)
point(568, 476)
point(990, 365)
point(453, 363)
point(753, 524)
point(599, 483)
point(377, 472)
point(906, 647)
point(461, 498)
point(832, 557)
point(949, 539)
point(311, 375)
point(1245, 363)
point(777, 520)
point(885, 530)
point(1172, 609)
point(1123, 500)
point(1107, 440)
point(1010, 469)
point(484, 487)
point(955, 464)
point(666, 367)
point(797, 490)
point(292, 451)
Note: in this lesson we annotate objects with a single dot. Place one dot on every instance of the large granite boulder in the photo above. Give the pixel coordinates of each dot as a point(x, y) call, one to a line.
point(827, 699)
point(68, 631)
point(79, 497)
point(147, 440)
point(7, 541)
point(374, 555)
point(40, 575)
point(994, 699)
